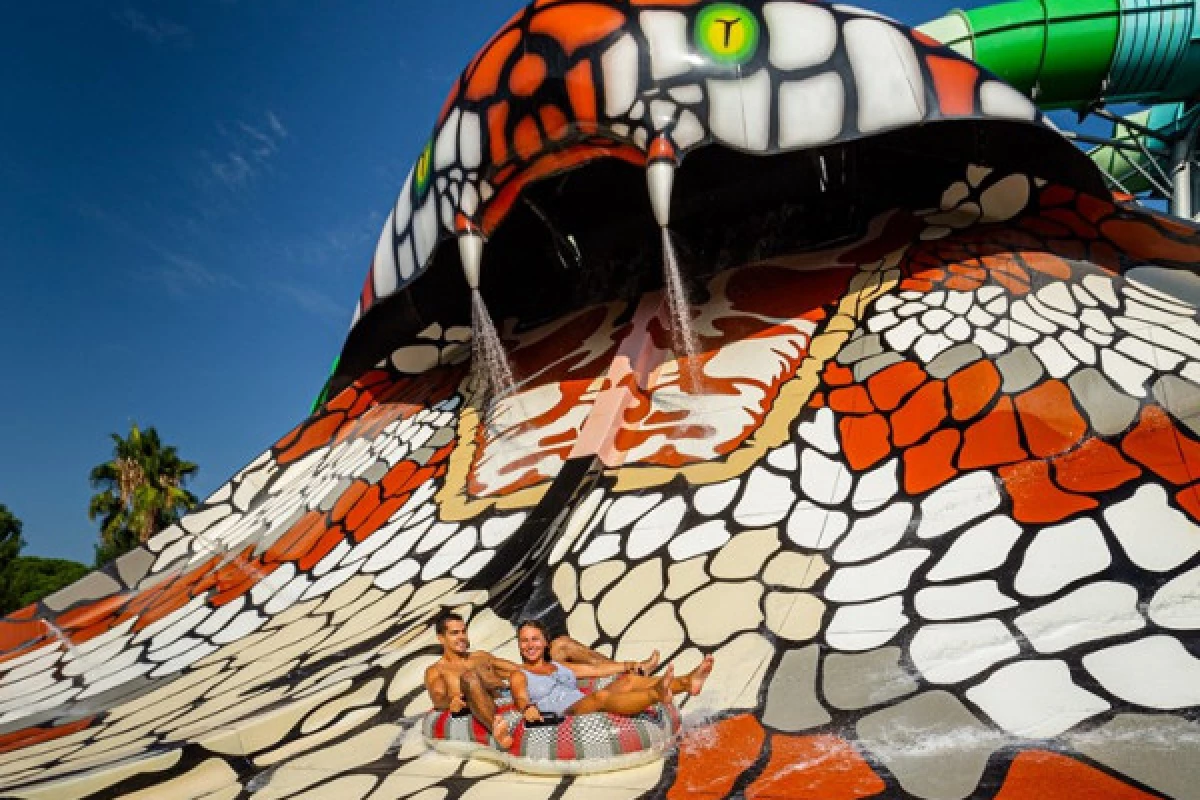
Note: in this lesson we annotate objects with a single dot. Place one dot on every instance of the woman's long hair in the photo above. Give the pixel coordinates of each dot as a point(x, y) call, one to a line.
point(537, 625)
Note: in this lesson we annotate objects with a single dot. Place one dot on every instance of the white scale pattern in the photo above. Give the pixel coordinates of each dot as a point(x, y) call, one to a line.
point(1146, 341)
point(968, 623)
point(185, 636)
point(1033, 699)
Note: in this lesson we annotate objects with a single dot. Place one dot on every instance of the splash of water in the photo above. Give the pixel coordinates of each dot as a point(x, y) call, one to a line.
point(683, 336)
point(488, 359)
point(63, 639)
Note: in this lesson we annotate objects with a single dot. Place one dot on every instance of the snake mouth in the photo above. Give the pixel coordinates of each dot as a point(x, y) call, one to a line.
point(588, 236)
point(750, 130)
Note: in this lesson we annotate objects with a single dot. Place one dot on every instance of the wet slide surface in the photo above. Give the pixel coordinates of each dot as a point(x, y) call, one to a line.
point(935, 512)
point(931, 496)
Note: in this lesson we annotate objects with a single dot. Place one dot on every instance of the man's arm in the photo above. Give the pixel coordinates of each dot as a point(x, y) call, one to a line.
point(439, 691)
point(504, 668)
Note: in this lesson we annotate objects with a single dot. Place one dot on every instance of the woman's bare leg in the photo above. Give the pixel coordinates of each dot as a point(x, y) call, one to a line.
point(629, 702)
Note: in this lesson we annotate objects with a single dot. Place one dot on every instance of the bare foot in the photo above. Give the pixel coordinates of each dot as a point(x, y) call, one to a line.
point(648, 666)
point(501, 733)
point(667, 679)
point(699, 675)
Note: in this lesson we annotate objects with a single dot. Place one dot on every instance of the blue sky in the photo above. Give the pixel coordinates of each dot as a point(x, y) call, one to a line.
point(191, 197)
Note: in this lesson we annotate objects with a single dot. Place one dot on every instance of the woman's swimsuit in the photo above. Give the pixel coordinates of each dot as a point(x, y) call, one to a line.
point(553, 693)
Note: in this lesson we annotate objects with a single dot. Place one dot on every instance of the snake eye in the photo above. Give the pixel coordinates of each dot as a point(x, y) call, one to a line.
point(423, 171)
point(727, 33)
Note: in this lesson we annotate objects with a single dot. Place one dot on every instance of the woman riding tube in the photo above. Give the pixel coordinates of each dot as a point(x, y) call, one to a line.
point(546, 686)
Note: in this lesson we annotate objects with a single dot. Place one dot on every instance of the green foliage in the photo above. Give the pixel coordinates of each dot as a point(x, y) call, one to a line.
point(33, 578)
point(27, 579)
point(141, 491)
point(10, 549)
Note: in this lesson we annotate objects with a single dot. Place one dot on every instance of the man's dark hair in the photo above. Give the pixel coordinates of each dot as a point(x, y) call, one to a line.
point(445, 618)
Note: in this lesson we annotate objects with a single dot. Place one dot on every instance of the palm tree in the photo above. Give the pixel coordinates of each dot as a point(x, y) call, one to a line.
point(141, 491)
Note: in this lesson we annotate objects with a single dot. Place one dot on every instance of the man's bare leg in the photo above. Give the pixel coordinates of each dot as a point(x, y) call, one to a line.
point(479, 698)
point(691, 683)
point(566, 650)
point(502, 734)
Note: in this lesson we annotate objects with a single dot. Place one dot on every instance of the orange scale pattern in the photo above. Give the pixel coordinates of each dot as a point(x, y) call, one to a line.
point(1052, 464)
point(954, 83)
point(1040, 775)
point(29, 737)
point(1060, 226)
point(716, 759)
point(966, 263)
point(359, 512)
point(815, 768)
point(365, 408)
point(19, 636)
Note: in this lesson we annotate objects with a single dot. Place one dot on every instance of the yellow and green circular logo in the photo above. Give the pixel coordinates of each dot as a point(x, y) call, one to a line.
point(727, 33)
point(424, 170)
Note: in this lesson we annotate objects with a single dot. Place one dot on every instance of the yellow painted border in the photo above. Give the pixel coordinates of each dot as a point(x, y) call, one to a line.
point(872, 281)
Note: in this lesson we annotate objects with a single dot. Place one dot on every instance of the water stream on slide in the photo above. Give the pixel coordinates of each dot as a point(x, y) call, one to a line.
point(487, 353)
point(683, 336)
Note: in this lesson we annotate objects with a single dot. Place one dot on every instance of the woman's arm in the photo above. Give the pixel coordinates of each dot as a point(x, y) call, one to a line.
point(519, 685)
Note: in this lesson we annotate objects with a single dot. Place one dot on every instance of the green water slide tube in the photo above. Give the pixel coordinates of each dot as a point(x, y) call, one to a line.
point(1129, 163)
point(1077, 53)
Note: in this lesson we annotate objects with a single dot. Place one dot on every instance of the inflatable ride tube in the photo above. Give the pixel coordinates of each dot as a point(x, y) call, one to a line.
point(575, 745)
